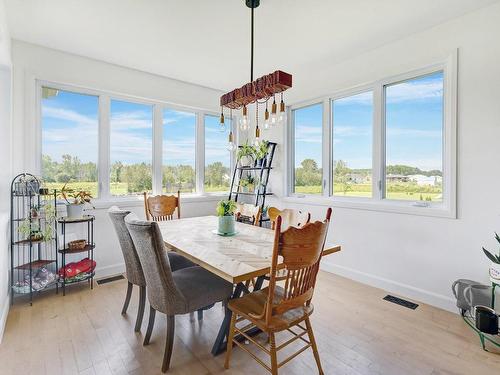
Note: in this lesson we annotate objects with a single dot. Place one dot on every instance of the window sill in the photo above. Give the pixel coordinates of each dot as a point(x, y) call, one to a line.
point(137, 201)
point(399, 207)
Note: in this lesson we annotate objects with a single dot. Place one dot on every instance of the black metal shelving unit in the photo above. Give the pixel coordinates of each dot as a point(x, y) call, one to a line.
point(260, 170)
point(33, 237)
point(88, 249)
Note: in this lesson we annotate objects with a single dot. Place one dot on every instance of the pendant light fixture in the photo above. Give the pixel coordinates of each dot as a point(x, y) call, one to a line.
point(258, 91)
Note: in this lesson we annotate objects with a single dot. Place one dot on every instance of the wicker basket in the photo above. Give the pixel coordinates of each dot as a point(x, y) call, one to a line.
point(77, 244)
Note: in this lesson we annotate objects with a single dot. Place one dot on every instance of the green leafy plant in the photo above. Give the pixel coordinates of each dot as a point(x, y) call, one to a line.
point(249, 180)
point(77, 196)
point(30, 230)
point(261, 150)
point(246, 150)
point(494, 258)
point(226, 208)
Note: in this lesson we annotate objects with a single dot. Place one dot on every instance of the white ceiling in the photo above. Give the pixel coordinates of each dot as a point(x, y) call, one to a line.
point(207, 42)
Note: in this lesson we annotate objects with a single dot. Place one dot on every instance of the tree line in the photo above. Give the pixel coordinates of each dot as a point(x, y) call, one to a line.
point(138, 176)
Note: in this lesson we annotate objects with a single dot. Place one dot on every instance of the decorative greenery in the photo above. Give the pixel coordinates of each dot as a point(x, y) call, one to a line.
point(494, 258)
point(78, 196)
point(246, 150)
point(226, 208)
point(261, 151)
point(249, 180)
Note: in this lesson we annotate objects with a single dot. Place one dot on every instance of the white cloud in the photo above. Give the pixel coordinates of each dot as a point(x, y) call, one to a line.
point(308, 134)
point(132, 120)
point(68, 115)
point(414, 90)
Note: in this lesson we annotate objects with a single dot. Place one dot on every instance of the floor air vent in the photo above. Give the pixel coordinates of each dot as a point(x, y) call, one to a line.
point(110, 279)
point(400, 301)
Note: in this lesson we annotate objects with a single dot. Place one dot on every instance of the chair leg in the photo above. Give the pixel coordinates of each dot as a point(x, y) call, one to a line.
point(151, 323)
point(169, 345)
point(230, 337)
point(130, 286)
point(313, 345)
point(274, 355)
point(200, 314)
point(140, 311)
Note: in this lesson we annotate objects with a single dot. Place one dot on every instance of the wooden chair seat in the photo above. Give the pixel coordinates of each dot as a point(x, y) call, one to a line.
point(253, 304)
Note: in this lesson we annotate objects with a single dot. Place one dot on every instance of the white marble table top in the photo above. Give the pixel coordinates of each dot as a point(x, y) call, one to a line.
point(238, 258)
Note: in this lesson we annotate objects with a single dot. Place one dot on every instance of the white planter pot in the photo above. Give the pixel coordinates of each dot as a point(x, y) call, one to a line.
point(246, 161)
point(495, 273)
point(74, 210)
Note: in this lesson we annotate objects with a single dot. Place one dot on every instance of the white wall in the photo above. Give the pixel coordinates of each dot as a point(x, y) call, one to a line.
point(31, 62)
point(5, 161)
point(419, 257)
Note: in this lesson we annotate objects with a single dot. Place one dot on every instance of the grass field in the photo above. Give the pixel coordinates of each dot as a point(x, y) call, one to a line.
point(364, 190)
point(117, 188)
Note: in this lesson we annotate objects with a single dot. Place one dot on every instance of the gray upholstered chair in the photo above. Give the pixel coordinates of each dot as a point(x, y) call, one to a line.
point(133, 267)
point(172, 292)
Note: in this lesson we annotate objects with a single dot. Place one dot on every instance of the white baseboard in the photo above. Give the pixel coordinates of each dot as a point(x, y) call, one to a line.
point(5, 306)
point(403, 290)
point(111, 270)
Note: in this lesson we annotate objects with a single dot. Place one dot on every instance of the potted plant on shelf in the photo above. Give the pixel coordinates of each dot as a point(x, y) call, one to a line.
point(495, 263)
point(261, 153)
point(75, 200)
point(248, 184)
point(246, 154)
point(225, 212)
point(31, 231)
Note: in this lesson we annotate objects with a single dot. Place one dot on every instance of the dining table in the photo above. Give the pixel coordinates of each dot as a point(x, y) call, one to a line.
point(239, 258)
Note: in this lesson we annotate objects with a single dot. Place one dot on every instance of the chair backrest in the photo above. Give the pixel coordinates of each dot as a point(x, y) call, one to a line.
point(162, 292)
point(289, 217)
point(133, 266)
point(247, 212)
point(301, 250)
point(162, 207)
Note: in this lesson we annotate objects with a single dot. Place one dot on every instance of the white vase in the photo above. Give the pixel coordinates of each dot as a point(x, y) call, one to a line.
point(74, 210)
point(495, 273)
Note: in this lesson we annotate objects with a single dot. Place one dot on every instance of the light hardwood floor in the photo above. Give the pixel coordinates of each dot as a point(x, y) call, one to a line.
point(357, 333)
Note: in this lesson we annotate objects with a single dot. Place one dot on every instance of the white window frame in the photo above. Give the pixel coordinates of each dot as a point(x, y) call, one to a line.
point(105, 198)
point(447, 208)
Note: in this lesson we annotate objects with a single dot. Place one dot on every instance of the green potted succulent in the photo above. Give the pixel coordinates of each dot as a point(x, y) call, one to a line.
point(495, 263)
point(246, 155)
point(261, 153)
point(225, 212)
point(75, 200)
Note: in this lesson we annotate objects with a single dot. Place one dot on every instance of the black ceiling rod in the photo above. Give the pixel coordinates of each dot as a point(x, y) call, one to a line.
point(252, 4)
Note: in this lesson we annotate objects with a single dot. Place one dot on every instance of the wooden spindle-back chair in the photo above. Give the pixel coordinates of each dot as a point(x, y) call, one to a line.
point(289, 217)
point(249, 213)
point(275, 309)
point(162, 207)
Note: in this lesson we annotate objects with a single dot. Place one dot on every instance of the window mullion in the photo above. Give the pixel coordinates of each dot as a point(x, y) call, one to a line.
point(200, 152)
point(104, 147)
point(378, 163)
point(157, 148)
point(327, 149)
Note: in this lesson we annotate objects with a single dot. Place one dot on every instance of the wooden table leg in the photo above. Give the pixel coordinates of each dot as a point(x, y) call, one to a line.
point(221, 340)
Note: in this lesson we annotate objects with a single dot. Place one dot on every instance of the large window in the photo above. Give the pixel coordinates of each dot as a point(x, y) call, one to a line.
point(179, 155)
point(69, 139)
point(217, 156)
point(118, 146)
point(414, 139)
point(389, 145)
point(131, 140)
point(308, 130)
point(352, 145)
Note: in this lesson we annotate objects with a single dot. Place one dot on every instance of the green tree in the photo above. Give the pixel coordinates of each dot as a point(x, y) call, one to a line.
point(342, 175)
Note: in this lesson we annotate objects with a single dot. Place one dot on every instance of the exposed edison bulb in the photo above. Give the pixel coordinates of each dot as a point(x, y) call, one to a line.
point(281, 118)
point(222, 124)
point(274, 117)
point(266, 120)
point(231, 146)
point(256, 141)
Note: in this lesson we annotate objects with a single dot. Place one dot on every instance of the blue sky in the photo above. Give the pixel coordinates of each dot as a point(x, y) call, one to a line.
point(413, 119)
point(70, 125)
